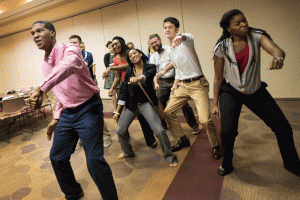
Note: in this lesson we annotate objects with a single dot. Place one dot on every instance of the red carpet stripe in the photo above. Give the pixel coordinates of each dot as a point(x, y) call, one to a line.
point(197, 177)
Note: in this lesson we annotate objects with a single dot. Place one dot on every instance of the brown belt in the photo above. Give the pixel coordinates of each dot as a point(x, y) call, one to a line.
point(192, 79)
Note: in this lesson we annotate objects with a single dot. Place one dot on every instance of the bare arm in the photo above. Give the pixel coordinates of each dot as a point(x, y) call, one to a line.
point(271, 48)
point(119, 68)
point(167, 68)
point(156, 85)
point(219, 68)
point(118, 113)
point(115, 83)
point(94, 68)
point(116, 68)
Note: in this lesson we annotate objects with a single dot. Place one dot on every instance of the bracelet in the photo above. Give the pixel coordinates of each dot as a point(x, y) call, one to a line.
point(279, 58)
point(116, 113)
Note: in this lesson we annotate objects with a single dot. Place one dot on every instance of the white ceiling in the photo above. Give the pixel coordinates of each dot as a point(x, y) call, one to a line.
point(24, 9)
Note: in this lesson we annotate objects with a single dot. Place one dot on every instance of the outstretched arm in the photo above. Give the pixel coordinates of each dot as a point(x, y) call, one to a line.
point(272, 49)
point(167, 68)
point(156, 85)
point(119, 68)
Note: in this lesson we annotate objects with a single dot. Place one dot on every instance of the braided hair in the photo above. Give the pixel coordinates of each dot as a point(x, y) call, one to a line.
point(225, 23)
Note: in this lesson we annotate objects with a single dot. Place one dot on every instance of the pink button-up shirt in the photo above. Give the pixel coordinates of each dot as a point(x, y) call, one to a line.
point(68, 77)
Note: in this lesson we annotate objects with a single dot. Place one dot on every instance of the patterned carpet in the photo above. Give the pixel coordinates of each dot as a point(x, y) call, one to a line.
point(26, 172)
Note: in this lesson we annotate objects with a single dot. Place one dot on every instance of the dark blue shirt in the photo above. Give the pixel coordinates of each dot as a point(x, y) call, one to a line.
point(88, 57)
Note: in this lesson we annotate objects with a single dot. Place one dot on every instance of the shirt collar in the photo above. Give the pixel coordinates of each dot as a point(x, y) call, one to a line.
point(51, 56)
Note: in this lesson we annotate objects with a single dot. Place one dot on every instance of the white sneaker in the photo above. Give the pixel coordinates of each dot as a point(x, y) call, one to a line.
point(196, 131)
point(79, 144)
point(106, 142)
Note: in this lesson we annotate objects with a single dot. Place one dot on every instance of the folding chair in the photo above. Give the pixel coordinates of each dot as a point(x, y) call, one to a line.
point(12, 109)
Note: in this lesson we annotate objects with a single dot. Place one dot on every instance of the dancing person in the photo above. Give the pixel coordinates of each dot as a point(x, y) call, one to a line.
point(120, 66)
point(109, 62)
point(136, 103)
point(237, 82)
point(164, 79)
point(130, 45)
point(189, 83)
point(87, 60)
point(87, 56)
point(79, 113)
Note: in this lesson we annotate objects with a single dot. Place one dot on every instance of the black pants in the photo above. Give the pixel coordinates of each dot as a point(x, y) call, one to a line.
point(264, 106)
point(163, 95)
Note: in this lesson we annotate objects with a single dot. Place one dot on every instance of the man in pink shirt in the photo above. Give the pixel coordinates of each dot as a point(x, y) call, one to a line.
point(79, 113)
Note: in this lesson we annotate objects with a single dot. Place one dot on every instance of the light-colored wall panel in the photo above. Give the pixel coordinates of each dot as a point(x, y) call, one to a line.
point(135, 20)
point(24, 60)
point(151, 16)
point(281, 20)
point(37, 58)
point(8, 64)
point(121, 20)
point(89, 27)
point(201, 19)
point(64, 29)
point(2, 56)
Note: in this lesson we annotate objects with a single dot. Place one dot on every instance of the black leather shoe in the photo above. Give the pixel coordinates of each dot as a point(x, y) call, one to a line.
point(180, 144)
point(154, 145)
point(216, 153)
point(224, 172)
point(293, 170)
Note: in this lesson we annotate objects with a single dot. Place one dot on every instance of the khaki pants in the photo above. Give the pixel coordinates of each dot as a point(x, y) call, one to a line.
point(198, 92)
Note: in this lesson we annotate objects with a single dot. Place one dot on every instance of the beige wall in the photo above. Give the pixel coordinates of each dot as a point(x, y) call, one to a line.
point(135, 20)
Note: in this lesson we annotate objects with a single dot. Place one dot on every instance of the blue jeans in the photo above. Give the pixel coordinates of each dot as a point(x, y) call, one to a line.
point(84, 122)
point(148, 133)
point(145, 109)
point(264, 106)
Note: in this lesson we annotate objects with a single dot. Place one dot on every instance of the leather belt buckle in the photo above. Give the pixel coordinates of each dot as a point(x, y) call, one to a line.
point(192, 79)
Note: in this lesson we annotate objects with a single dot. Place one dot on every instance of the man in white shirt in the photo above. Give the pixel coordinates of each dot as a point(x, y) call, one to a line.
point(189, 83)
point(164, 79)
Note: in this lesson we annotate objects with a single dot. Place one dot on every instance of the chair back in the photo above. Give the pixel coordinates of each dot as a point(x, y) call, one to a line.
point(13, 105)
